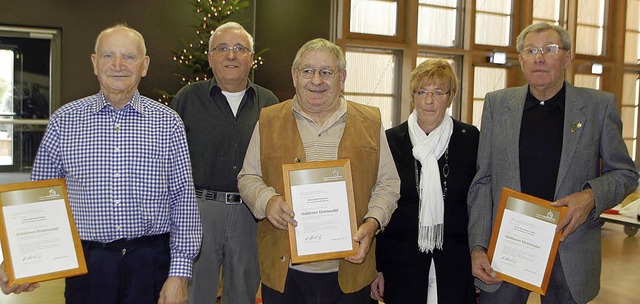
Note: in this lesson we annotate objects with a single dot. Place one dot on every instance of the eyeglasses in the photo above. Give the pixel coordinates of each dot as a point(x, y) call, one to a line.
point(237, 49)
point(438, 94)
point(308, 73)
point(551, 49)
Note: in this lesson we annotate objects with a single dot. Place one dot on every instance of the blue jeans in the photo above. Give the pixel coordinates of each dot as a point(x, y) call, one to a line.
point(228, 241)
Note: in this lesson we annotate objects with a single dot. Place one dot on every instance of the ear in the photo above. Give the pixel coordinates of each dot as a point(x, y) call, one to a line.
point(568, 59)
point(293, 76)
point(94, 62)
point(343, 77)
point(145, 63)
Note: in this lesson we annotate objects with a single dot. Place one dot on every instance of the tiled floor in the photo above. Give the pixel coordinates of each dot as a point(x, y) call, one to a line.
point(620, 279)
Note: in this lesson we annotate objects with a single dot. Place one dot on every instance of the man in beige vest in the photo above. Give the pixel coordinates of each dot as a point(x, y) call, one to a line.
point(318, 124)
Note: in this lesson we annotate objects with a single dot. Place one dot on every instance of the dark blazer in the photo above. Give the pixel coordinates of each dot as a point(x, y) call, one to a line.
point(404, 267)
point(592, 139)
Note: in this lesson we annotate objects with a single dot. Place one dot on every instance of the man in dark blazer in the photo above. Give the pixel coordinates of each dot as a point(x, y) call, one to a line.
point(554, 141)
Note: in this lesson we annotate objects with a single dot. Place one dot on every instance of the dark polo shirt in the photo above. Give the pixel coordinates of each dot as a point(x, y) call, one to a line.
point(217, 139)
point(541, 144)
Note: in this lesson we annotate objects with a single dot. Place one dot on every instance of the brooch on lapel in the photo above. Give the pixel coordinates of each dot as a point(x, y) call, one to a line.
point(575, 126)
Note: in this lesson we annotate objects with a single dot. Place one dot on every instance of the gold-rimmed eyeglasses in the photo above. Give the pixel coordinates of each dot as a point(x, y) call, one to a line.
point(236, 49)
point(326, 74)
point(551, 49)
point(438, 94)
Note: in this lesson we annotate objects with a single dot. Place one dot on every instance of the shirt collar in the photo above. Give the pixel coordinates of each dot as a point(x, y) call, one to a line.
point(215, 88)
point(134, 102)
point(342, 109)
point(556, 101)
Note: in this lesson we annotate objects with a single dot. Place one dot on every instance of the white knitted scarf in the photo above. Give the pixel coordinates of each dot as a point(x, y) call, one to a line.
point(427, 149)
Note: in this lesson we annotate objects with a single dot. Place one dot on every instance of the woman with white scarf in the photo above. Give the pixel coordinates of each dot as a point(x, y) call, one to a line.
point(426, 240)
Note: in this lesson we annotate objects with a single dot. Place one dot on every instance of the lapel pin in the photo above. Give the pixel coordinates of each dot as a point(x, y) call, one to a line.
point(575, 126)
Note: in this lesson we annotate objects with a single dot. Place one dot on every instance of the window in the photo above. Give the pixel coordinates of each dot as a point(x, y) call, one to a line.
point(549, 11)
point(587, 81)
point(632, 34)
point(371, 80)
point(590, 27)
point(377, 17)
point(29, 89)
point(439, 22)
point(493, 22)
point(486, 79)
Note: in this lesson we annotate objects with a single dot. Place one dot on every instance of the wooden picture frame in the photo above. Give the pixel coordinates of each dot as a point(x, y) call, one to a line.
point(321, 196)
point(519, 238)
point(39, 238)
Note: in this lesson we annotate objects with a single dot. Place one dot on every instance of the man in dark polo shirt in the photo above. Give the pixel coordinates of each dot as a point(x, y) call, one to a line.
point(219, 116)
point(554, 141)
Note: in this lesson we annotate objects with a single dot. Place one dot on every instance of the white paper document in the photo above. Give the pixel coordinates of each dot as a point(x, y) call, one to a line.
point(523, 247)
point(40, 238)
point(322, 213)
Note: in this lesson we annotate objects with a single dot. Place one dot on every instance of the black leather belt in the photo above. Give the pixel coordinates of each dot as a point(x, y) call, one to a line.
point(229, 198)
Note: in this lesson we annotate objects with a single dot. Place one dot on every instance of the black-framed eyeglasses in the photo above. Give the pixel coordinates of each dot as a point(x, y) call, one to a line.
point(551, 49)
point(237, 49)
point(436, 94)
point(326, 74)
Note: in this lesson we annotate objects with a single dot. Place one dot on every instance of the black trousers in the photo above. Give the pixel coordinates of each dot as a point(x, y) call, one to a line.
point(122, 272)
point(314, 288)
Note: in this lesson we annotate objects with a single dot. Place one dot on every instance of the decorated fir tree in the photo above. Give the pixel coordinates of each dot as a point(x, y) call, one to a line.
point(193, 55)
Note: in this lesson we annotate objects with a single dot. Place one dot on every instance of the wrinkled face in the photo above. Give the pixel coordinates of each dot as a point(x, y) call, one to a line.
point(431, 101)
point(231, 67)
point(321, 92)
point(544, 71)
point(119, 62)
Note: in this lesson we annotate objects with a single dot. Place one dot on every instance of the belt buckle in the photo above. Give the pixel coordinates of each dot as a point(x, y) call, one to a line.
point(232, 198)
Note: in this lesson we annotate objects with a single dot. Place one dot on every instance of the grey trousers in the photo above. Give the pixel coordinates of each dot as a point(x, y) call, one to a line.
point(228, 241)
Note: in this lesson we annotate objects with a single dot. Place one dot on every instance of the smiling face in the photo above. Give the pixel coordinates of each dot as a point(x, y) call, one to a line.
point(230, 69)
point(317, 95)
point(544, 72)
point(119, 63)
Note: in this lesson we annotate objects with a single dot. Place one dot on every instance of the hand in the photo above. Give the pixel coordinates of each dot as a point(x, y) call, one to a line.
point(377, 288)
point(580, 205)
point(480, 267)
point(279, 213)
point(27, 287)
point(174, 291)
point(364, 236)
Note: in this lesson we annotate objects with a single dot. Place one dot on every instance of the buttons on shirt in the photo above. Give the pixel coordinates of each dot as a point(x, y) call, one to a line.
point(116, 202)
point(117, 174)
point(118, 227)
point(282, 258)
point(296, 160)
point(234, 167)
point(116, 127)
point(117, 149)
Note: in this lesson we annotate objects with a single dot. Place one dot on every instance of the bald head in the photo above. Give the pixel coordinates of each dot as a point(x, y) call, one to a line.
point(125, 28)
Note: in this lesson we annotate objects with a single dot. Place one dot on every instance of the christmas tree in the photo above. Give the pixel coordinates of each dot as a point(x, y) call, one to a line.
point(193, 55)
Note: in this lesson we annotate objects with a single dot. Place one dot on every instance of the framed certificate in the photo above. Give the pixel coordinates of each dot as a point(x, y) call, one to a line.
point(321, 196)
point(39, 237)
point(524, 241)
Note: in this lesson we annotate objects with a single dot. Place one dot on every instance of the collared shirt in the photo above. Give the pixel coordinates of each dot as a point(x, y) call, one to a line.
point(127, 172)
point(217, 139)
point(541, 144)
point(321, 143)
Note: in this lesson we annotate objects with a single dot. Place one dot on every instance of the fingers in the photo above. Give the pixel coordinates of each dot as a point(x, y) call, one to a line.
point(279, 213)
point(364, 235)
point(481, 268)
point(579, 205)
point(377, 288)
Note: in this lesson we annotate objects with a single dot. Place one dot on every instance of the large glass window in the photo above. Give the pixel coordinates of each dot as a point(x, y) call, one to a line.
point(632, 33)
point(590, 27)
point(29, 89)
point(587, 81)
point(548, 11)
point(378, 17)
point(493, 22)
point(372, 80)
point(439, 22)
point(486, 79)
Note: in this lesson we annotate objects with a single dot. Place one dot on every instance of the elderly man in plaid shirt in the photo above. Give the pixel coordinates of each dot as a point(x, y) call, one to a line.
point(128, 174)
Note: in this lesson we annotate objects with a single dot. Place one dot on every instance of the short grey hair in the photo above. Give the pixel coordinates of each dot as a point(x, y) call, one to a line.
point(122, 26)
point(234, 26)
point(320, 44)
point(565, 39)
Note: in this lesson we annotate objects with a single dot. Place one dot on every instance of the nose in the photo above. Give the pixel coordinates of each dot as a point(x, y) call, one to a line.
point(117, 62)
point(231, 54)
point(316, 79)
point(539, 56)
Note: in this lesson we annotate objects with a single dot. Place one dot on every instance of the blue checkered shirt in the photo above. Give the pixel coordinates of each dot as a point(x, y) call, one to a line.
point(127, 171)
